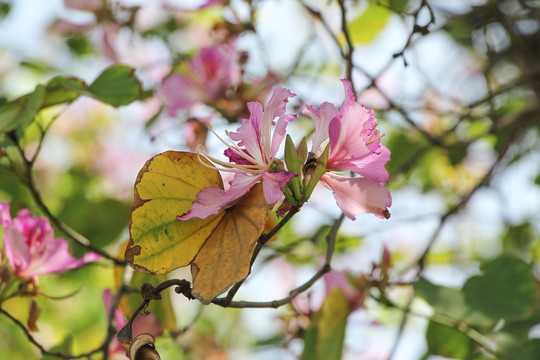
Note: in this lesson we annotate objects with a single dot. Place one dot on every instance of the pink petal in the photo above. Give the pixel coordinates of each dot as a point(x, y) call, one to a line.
point(359, 195)
point(5, 215)
point(274, 184)
point(56, 258)
point(348, 144)
point(250, 136)
point(177, 91)
point(17, 251)
point(349, 93)
point(84, 4)
point(321, 119)
point(277, 103)
point(280, 132)
point(211, 200)
point(147, 324)
point(339, 279)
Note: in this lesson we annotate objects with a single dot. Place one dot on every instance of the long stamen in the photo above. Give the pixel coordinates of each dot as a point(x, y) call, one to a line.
point(376, 139)
point(254, 169)
point(235, 148)
point(240, 152)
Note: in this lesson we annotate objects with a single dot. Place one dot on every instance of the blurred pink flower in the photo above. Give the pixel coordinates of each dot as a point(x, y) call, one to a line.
point(339, 279)
point(355, 145)
point(252, 159)
point(89, 5)
point(213, 2)
point(195, 132)
point(142, 324)
point(31, 247)
point(205, 80)
point(64, 27)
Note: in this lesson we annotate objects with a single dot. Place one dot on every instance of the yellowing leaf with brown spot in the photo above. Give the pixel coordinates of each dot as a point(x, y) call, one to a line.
point(225, 257)
point(166, 187)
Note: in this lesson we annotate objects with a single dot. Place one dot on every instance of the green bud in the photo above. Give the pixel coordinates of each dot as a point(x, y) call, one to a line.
point(302, 152)
point(293, 165)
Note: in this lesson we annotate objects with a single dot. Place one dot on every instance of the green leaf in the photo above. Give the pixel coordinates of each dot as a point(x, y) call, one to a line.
point(507, 288)
point(537, 180)
point(365, 28)
point(515, 348)
point(404, 150)
point(9, 116)
point(449, 302)
point(447, 341)
point(398, 5)
point(117, 86)
point(456, 154)
point(65, 347)
point(63, 89)
point(324, 338)
point(22, 111)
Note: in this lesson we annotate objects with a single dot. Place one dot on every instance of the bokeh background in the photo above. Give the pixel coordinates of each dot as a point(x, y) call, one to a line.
point(455, 87)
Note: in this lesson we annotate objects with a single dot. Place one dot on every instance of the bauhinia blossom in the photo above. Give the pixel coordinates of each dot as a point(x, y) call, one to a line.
point(251, 152)
point(351, 132)
point(207, 76)
point(31, 247)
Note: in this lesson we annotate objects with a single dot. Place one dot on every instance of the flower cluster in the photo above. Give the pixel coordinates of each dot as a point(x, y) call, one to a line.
point(346, 141)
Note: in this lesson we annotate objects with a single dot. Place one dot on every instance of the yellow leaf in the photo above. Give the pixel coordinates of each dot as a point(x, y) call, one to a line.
point(225, 257)
point(367, 26)
point(166, 187)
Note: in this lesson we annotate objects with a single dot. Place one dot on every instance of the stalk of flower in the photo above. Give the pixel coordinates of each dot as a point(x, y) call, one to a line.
point(251, 151)
point(31, 248)
point(354, 142)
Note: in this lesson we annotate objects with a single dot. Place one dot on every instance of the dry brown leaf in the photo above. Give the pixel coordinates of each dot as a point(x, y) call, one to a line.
point(225, 257)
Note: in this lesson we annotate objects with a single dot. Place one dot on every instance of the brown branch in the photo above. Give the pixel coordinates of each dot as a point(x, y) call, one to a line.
point(330, 240)
point(32, 339)
point(263, 239)
point(350, 48)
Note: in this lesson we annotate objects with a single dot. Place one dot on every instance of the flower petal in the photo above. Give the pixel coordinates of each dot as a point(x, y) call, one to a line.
point(349, 93)
point(249, 134)
point(274, 184)
point(348, 135)
point(5, 215)
point(178, 92)
point(339, 279)
point(280, 132)
point(359, 195)
point(321, 119)
point(55, 259)
point(17, 251)
point(211, 200)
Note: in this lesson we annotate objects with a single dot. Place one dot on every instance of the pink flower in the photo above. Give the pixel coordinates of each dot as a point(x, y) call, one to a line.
point(142, 324)
point(31, 247)
point(90, 5)
point(252, 158)
point(213, 2)
point(355, 145)
point(339, 279)
point(205, 80)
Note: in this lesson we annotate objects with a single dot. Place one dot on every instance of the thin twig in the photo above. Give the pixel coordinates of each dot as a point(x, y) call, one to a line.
point(72, 234)
point(263, 239)
point(330, 240)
